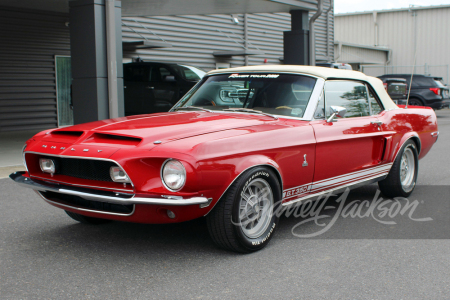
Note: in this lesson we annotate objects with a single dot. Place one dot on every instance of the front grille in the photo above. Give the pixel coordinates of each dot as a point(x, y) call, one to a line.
point(84, 168)
point(88, 204)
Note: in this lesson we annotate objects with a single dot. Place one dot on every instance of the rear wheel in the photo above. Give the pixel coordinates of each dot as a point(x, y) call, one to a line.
point(86, 220)
point(402, 178)
point(415, 102)
point(244, 220)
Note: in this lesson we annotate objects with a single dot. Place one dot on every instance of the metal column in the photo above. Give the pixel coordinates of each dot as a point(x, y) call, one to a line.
point(96, 53)
point(295, 43)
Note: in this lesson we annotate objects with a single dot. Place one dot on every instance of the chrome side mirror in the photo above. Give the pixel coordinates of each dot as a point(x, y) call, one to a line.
point(338, 111)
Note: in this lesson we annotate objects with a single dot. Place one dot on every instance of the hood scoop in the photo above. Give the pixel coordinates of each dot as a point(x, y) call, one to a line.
point(64, 136)
point(103, 138)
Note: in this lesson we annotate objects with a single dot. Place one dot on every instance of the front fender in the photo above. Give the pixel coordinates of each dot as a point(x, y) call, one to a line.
point(219, 175)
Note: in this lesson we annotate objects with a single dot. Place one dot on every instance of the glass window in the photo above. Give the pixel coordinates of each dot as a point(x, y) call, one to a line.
point(423, 81)
point(320, 110)
point(159, 74)
point(189, 73)
point(349, 94)
point(439, 83)
point(375, 107)
point(278, 94)
point(136, 73)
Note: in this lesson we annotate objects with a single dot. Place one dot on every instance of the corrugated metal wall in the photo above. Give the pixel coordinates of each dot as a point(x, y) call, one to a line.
point(350, 54)
point(266, 32)
point(397, 31)
point(29, 41)
point(195, 38)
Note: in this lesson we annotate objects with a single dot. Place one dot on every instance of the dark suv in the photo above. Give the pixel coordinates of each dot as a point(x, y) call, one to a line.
point(397, 89)
point(425, 90)
point(151, 87)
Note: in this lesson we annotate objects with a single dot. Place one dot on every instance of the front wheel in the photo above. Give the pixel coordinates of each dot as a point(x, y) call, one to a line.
point(402, 178)
point(244, 220)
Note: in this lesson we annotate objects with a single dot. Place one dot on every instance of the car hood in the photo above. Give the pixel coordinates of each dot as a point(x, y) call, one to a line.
point(143, 130)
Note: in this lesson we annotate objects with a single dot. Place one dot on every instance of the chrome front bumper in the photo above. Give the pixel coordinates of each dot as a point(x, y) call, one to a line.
point(104, 196)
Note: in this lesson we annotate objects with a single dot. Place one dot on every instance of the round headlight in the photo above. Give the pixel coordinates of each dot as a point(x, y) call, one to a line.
point(173, 175)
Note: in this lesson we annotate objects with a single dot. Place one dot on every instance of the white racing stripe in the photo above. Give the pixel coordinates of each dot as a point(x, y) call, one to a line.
point(337, 181)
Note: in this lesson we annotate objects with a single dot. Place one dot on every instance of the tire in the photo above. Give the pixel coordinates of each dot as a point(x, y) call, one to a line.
point(86, 220)
point(239, 224)
point(415, 102)
point(393, 185)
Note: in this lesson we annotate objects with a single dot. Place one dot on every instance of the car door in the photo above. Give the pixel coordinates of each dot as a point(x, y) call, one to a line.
point(138, 97)
point(349, 149)
point(165, 88)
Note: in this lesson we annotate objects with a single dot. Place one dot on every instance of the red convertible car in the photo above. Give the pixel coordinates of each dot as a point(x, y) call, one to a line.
point(238, 147)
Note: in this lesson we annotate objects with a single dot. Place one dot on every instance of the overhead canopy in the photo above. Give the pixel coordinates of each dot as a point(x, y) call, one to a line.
point(177, 7)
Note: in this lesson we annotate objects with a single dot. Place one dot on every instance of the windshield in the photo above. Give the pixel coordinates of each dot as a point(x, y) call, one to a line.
point(189, 73)
point(278, 94)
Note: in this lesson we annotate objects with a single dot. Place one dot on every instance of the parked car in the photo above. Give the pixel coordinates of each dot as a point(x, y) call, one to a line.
point(445, 90)
point(397, 89)
point(425, 90)
point(335, 65)
point(151, 87)
point(240, 147)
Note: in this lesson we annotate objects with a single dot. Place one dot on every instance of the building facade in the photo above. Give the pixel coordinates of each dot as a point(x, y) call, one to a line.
point(194, 40)
point(411, 36)
point(35, 50)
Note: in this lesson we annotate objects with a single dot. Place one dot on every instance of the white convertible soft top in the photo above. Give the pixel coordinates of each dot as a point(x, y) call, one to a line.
point(322, 72)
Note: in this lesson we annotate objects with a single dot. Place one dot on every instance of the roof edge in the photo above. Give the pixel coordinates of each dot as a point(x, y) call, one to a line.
point(366, 12)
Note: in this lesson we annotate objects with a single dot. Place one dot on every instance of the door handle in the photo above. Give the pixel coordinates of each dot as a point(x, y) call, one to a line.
point(379, 123)
point(150, 87)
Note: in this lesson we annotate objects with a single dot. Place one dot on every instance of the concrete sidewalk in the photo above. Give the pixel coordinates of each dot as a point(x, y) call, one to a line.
point(11, 144)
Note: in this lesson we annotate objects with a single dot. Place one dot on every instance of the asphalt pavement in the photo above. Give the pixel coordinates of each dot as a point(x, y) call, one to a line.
point(46, 255)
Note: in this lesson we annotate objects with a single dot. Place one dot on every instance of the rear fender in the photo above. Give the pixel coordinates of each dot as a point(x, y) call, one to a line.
point(408, 136)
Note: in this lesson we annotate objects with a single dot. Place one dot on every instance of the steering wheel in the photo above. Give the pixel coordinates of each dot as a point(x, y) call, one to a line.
point(280, 107)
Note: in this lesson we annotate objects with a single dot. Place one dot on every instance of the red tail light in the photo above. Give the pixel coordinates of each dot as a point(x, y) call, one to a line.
point(385, 85)
point(437, 91)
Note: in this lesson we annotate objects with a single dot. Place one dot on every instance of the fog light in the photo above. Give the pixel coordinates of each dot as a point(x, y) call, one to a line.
point(47, 165)
point(118, 175)
point(170, 214)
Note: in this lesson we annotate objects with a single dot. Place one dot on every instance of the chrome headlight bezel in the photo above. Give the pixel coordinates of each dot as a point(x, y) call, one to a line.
point(167, 163)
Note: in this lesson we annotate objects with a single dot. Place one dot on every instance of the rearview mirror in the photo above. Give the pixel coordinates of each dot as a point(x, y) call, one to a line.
point(337, 111)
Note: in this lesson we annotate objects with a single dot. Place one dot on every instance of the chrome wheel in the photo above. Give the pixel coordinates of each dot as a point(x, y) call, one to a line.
point(256, 208)
point(407, 170)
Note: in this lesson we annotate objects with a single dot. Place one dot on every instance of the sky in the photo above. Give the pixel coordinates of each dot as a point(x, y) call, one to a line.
point(345, 6)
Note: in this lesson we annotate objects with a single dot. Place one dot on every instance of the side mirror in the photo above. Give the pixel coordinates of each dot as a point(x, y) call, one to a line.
point(169, 78)
point(338, 111)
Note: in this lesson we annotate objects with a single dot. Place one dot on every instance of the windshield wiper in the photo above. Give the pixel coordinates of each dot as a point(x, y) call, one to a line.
point(193, 107)
point(249, 110)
